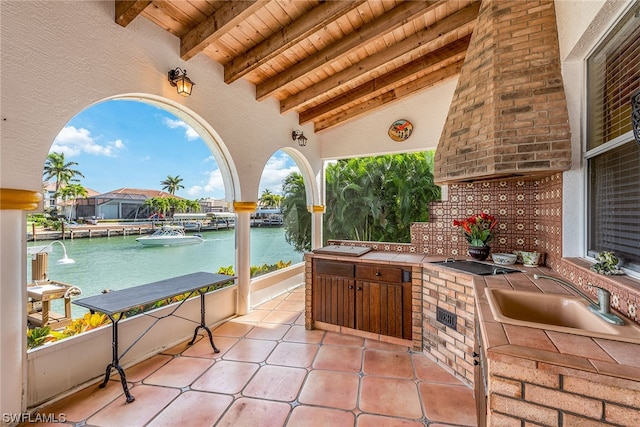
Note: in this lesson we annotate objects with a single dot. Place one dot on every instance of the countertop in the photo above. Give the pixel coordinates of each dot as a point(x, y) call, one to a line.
point(562, 350)
point(543, 347)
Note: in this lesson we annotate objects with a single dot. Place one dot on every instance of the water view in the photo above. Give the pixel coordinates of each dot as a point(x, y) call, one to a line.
point(120, 262)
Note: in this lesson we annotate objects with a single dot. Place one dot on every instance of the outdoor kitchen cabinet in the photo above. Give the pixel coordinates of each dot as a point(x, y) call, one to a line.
point(367, 297)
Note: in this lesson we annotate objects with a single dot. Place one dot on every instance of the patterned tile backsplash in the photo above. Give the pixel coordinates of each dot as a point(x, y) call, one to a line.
point(529, 212)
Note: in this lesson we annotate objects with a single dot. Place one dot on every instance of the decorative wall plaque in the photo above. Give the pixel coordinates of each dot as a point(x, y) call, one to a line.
point(400, 130)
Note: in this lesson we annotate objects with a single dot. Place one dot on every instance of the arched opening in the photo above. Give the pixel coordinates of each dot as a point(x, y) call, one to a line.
point(126, 148)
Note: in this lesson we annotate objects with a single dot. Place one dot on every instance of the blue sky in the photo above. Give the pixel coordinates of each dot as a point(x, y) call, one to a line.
point(132, 144)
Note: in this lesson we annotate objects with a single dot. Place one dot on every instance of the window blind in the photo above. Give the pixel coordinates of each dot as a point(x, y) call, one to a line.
point(615, 203)
point(614, 76)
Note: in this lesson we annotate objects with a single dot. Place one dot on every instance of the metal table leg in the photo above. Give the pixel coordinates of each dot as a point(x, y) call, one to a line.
point(203, 325)
point(115, 361)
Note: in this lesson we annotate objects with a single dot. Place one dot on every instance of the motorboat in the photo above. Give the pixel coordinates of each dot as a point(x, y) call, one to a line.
point(169, 235)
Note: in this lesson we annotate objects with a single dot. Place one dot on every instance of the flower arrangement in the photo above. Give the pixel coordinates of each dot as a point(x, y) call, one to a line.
point(478, 229)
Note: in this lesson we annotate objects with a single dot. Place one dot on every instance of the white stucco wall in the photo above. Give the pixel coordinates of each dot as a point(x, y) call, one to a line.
point(50, 72)
point(367, 135)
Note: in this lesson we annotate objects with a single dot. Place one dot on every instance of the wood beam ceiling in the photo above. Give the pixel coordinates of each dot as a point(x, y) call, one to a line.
point(329, 61)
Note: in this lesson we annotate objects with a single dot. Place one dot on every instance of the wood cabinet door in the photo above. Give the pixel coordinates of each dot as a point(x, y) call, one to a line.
point(333, 300)
point(379, 309)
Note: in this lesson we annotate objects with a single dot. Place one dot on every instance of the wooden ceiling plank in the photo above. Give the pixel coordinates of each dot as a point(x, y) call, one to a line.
point(127, 10)
point(389, 97)
point(398, 16)
point(386, 81)
point(216, 25)
point(405, 47)
point(288, 36)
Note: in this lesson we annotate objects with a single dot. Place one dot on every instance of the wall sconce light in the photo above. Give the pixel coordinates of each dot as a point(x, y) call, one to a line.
point(178, 79)
point(298, 136)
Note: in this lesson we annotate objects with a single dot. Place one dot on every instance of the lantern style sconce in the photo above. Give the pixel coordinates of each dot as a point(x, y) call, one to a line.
point(298, 136)
point(178, 79)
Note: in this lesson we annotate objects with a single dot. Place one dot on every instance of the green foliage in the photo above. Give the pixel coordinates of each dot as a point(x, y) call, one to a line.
point(607, 263)
point(38, 336)
point(172, 184)
point(297, 219)
point(57, 167)
point(269, 199)
point(377, 198)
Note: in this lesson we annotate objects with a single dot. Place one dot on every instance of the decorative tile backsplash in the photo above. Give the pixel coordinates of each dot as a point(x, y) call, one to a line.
point(529, 214)
point(530, 219)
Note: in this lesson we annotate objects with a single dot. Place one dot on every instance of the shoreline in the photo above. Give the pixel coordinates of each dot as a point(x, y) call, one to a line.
point(115, 229)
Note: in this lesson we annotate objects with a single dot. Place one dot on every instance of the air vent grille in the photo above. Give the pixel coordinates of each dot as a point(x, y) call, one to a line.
point(447, 318)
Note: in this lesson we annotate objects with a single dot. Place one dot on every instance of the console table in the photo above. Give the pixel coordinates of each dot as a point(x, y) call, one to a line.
point(114, 303)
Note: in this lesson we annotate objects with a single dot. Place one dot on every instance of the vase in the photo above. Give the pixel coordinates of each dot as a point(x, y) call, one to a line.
point(479, 252)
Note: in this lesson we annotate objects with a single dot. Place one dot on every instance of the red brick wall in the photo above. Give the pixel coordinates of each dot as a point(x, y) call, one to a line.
point(508, 116)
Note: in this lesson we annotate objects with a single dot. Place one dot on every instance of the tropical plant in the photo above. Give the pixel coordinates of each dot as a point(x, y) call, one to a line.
point(378, 198)
point(38, 336)
point(72, 192)
point(172, 184)
point(57, 167)
point(269, 199)
point(297, 219)
point(193, 206)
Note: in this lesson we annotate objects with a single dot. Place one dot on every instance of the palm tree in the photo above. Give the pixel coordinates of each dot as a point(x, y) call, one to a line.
point(297, 219)
point(57, 167)
point(172, 184)
point(193, 206)
point(269, 199)
point(73, 192)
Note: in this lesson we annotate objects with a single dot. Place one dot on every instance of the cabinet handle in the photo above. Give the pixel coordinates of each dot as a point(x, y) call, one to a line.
point(350, 286)
point(359, 288)
point(378, 274)
point(474, 354)
point(476, 362)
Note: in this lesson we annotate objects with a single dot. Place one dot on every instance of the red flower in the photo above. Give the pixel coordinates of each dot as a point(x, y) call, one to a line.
point(478, 229)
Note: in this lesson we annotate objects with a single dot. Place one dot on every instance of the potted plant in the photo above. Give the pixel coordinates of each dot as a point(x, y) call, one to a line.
point(607, 263)
point(478, 230)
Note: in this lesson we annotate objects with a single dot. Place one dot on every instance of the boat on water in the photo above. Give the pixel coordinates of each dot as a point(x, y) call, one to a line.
point(169, 235)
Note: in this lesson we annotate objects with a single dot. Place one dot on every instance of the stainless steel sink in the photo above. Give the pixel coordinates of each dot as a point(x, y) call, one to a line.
point(561, 313)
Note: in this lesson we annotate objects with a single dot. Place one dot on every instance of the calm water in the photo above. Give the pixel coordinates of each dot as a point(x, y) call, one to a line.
point(120, 262)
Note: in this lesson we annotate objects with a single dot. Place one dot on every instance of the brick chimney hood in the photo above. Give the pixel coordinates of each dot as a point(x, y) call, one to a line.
point(508, 116)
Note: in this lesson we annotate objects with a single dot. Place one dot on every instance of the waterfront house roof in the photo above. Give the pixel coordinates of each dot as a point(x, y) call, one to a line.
point(135, 194)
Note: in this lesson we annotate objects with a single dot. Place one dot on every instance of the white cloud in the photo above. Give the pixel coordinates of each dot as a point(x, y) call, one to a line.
point(213, 187)
point(276, 170)
point(74, 141)
point(189, 133)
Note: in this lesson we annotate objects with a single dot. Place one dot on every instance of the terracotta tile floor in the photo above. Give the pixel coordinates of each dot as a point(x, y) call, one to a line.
point(272, 372)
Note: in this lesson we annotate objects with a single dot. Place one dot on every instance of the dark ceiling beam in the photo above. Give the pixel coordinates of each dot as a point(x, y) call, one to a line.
point(290, 35)
point(127, 10)
point(216, 25)
point(395, 18)
point(452, 52)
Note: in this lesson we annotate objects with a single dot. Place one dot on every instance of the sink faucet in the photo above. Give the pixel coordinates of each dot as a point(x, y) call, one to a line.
point(601, 309)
